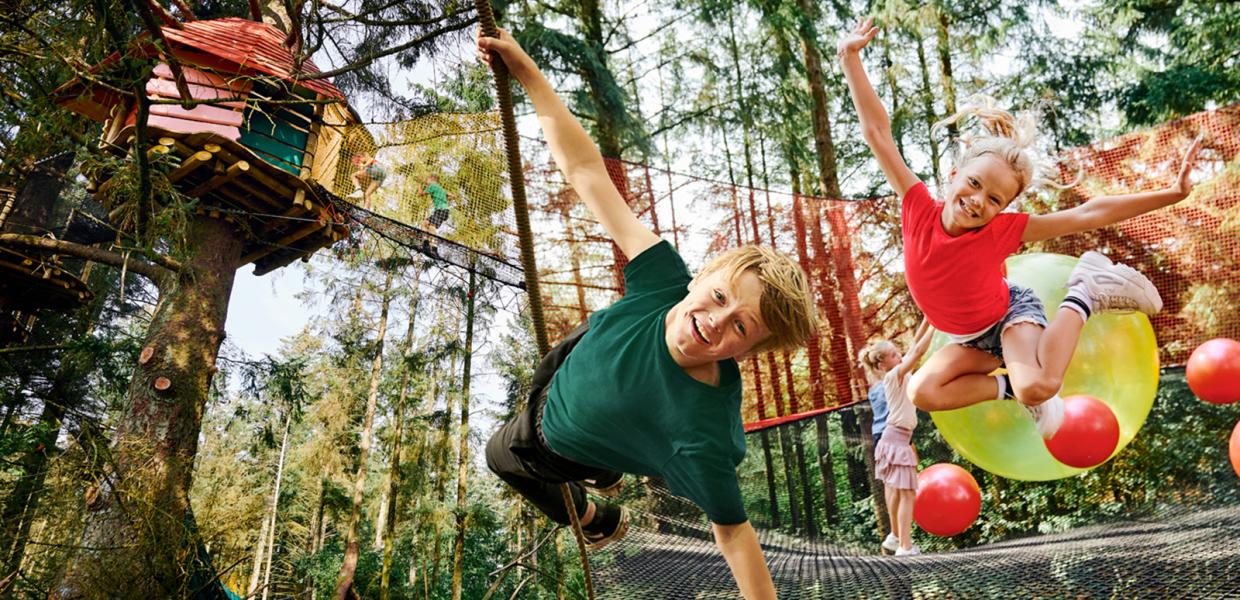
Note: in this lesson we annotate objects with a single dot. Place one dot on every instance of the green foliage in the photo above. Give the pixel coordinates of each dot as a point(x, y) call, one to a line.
point(1184, 56)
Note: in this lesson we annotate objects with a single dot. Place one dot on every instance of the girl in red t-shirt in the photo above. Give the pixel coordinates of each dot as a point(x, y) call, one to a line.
point(954, 251)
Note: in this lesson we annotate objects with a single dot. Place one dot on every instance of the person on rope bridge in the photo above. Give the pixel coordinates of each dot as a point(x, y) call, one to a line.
point(649, 385)
point(367, 176)
point(439, 204)
point(954, 251)
point(895, 459)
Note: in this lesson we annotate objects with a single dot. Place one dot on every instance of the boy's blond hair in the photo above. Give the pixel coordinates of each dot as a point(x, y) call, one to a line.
point(787, 302)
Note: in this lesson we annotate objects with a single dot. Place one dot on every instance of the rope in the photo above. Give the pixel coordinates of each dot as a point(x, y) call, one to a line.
point(512, 145)
point(516, 177)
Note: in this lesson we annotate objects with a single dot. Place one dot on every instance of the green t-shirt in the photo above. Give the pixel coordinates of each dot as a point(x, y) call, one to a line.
point(620, 402)
point(439, 197)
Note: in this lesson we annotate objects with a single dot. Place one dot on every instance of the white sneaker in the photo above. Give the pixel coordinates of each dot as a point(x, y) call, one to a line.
point(1048, 416)
point(912, 551)
point(1114, 287)
point(892, 543)
point(356, 195)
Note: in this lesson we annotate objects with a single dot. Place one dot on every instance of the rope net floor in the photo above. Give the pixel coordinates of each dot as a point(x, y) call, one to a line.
point(1179, 553)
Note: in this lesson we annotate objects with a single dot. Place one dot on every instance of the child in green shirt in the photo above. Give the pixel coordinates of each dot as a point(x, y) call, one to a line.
point(650, 385)
point(439, 203)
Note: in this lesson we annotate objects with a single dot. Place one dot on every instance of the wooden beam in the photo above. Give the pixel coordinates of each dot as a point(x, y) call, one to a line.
point(233, 172)
point(190, 164)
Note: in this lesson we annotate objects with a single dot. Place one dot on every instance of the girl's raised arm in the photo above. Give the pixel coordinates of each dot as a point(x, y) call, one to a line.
point(921, 341)
point(875, 124)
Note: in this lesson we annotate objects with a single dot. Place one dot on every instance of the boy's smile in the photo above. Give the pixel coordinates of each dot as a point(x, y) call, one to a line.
point(719, 319)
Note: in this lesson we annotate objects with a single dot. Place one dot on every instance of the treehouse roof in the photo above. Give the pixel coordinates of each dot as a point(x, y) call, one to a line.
point(229, 45)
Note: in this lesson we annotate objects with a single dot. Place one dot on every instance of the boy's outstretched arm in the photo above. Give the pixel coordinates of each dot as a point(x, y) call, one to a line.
point(739, 545)
point(571, 147)
point(875, 124)
point(1107, 210)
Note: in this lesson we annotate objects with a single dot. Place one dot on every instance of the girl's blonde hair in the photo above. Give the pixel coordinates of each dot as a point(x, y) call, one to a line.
point(871, 356)
point(1007, 137)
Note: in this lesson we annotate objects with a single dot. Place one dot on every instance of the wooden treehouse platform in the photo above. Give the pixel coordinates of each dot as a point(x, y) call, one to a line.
point(281, 216)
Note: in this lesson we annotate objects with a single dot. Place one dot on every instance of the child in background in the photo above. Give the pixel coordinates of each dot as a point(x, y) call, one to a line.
point(439, 203)
point(954, 252)
point(895, 460)
point(650, 385)
point(367, 176)
point(878, 404)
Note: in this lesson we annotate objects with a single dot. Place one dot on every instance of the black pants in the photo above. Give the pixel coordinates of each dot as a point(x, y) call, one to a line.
point(520, 456)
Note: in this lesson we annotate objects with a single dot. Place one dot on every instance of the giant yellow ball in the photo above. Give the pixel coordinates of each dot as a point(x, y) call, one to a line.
point(1116, 361)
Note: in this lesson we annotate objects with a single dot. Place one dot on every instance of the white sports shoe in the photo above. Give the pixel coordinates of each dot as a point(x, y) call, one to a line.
point(356, 195)
point(912, 551)
point(1048, 416)
point(892, 543)
point(1114, 287)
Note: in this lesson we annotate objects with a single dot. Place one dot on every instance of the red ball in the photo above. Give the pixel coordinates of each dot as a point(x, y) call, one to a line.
point(1234, 448)
point(948, 499)
point(1213, 371)
point(1088, 435)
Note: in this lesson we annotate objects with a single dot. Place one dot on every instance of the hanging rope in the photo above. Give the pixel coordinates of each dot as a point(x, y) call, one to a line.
point(512, 145)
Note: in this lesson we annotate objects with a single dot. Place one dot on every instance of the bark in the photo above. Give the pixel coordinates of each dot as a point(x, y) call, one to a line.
point(135, 541)
point(398, 439)
point(348, 568)
point(942, 36)
point(771, 485)
point(827, 469)
point(66, 386)
point(599, 80)
point(275, 504)
point(256, 573)
point(927, 109)
point(462, 475)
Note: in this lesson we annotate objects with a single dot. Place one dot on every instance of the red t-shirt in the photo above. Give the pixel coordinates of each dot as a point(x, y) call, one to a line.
point(956, 281)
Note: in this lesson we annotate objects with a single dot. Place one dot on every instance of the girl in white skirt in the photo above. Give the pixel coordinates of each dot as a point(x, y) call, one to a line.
point(895, 461)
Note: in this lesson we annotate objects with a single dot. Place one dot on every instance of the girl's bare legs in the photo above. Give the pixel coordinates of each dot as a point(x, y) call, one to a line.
point(892, 506)
point(954, 377)
point(904, 501)
point(1037, 359)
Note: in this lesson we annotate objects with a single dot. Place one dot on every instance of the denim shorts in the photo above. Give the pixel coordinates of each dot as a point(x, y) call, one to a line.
point(1023, 307)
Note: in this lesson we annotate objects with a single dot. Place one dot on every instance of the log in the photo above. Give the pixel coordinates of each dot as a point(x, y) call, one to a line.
point(231, 173)
point(190, 165)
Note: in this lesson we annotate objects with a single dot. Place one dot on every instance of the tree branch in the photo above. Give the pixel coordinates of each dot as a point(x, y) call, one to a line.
point(154, 270)
point(364, 62)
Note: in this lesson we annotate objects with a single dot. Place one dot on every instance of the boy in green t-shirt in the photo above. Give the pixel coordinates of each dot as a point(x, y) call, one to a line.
point(650, 385)
point(439, 203)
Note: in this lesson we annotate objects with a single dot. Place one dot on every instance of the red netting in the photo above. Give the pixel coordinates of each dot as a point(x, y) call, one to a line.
point(851, 249)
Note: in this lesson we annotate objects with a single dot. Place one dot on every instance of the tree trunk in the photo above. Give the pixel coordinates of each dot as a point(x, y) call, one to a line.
point(20, 505)
point(827, 469)
point(609, 111)
point(135, 541)
point(348, 568)
point(389, 546)
point(927, 109)
point(945, 70)
point(462, 473)
point(256, 573)
point(275, 503)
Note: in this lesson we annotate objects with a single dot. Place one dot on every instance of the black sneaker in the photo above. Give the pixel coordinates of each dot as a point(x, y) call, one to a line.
point(609, 488)
point(610, 523)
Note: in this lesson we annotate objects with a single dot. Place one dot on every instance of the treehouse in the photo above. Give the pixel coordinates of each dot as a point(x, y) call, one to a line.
point(253, 136)
point(31, 278)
